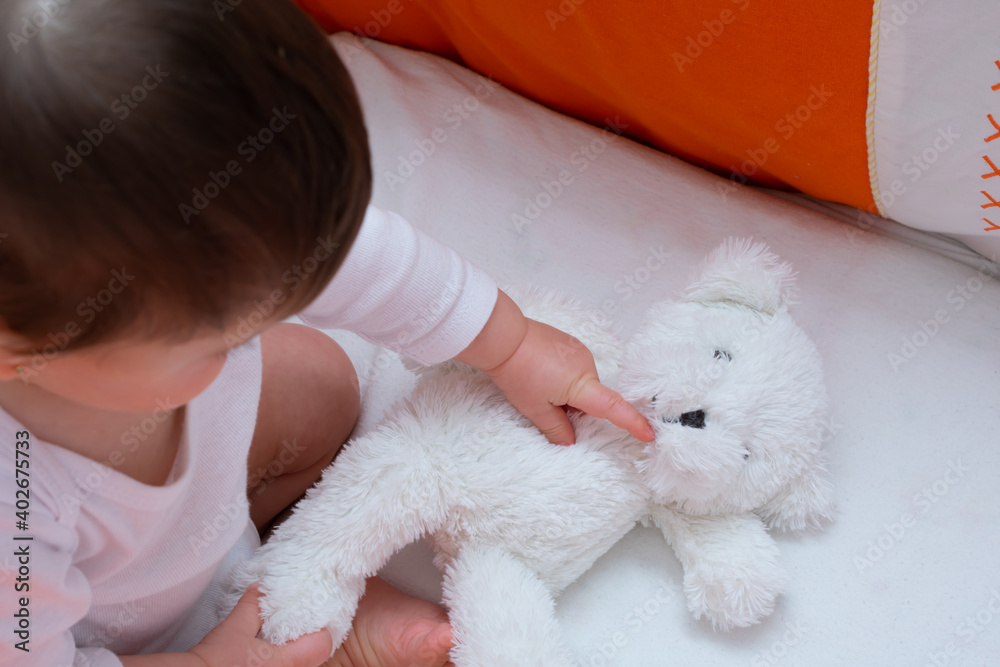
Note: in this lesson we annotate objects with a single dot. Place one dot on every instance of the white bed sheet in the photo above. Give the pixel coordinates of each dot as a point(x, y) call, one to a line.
point(909, 573)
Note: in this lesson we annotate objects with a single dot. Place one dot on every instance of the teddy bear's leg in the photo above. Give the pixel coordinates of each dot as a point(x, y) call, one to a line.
point(502, 615)
point(375, 499)
point(731, 569)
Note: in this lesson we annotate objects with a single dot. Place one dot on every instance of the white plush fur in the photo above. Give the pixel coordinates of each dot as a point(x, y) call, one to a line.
point(514, 519)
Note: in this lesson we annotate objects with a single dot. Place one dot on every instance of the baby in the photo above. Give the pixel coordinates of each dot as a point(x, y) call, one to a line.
point(175, 182)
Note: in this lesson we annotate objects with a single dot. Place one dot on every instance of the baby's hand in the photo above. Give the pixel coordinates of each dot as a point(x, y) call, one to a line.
point(234, 641)
point(551, 369)
point(540, 369)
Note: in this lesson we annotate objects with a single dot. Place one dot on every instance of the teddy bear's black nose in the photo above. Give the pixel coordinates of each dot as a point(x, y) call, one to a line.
point(694, 419)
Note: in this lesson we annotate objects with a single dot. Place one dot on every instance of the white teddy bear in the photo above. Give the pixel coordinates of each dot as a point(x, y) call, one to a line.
point(734, 390)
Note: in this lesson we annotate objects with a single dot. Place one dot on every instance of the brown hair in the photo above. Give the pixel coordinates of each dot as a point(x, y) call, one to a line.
point(166, 163)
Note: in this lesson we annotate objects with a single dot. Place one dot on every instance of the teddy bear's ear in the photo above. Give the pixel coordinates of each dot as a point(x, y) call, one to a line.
point(742, 271)
point(804, 503)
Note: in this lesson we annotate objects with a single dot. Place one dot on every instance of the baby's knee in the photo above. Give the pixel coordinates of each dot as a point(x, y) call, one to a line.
point(308, 384)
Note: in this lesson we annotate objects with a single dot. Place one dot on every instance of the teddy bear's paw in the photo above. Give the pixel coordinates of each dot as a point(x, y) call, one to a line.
point(733, 595)
point(294, 607)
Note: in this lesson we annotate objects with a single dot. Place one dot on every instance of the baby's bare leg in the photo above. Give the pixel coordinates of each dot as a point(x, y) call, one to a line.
point(309, 403)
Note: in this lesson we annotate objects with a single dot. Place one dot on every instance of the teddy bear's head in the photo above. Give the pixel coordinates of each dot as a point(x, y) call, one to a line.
point(734, 389)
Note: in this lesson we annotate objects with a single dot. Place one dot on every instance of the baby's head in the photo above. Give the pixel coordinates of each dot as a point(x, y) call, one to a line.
point(170, 168)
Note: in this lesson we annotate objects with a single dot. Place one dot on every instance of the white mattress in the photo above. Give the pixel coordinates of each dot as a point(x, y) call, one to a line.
point(909, 573)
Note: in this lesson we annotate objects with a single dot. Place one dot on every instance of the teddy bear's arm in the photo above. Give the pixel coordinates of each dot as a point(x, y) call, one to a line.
point(731, 569)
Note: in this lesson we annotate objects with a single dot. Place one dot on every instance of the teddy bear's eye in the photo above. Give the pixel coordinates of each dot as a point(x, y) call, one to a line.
point(722, 354)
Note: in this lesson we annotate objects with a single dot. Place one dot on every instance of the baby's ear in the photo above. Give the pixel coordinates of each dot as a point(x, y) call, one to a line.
point(804, 503)
point(744, 272)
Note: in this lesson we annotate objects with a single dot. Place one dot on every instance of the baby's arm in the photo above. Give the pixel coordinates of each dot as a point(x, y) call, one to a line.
point(540, 368)
point(45, 594)
point(401, 289)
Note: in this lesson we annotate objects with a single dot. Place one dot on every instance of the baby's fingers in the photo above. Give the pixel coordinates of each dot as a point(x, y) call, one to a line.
point(236, 638)
point(245, 619)
point(306, 651)
point(597, 400)
point(552, 421)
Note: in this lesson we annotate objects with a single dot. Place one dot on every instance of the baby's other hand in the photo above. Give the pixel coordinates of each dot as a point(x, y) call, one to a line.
point(234, 641)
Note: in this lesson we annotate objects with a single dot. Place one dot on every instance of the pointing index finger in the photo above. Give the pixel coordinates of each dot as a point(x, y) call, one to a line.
point(597, 400)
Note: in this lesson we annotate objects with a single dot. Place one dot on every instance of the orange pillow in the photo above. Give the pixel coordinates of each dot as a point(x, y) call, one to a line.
point(775, 92)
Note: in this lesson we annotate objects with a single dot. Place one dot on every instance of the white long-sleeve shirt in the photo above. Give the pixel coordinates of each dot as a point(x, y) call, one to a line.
point(113, 566)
